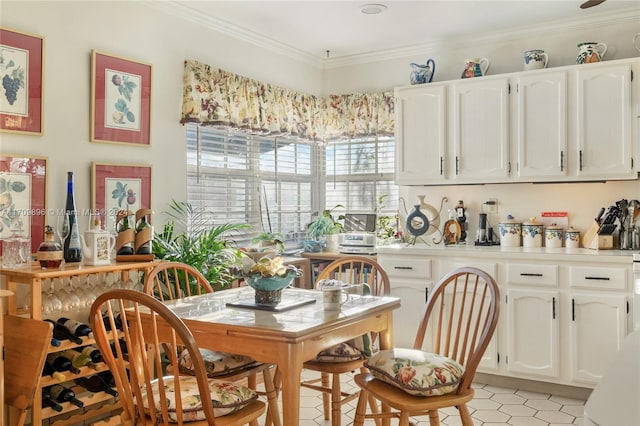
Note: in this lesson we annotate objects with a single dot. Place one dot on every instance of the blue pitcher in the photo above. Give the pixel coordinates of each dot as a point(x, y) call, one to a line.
point(422, 73)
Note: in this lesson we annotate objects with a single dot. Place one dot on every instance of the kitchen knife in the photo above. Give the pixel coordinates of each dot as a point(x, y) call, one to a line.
point(600, 213)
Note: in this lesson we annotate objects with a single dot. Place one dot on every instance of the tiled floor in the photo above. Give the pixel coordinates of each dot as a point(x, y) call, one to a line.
point(492, 406)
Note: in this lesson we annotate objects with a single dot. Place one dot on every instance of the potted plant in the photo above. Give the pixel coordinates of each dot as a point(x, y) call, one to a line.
point(386, 226)
point(209, 249)
point(323, 230)
point(269, 241)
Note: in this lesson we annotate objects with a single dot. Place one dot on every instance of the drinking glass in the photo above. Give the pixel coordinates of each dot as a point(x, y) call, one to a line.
point(62, 227)
point(70, 301)
point(51, 304)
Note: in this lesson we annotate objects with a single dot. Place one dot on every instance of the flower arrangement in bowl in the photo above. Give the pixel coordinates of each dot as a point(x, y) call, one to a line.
point(268, 277)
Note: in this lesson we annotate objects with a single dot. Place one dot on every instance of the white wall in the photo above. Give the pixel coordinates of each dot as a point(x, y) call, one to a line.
point(131, 30)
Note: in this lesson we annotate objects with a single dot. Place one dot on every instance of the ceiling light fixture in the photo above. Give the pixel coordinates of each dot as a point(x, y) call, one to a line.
point(372, 8)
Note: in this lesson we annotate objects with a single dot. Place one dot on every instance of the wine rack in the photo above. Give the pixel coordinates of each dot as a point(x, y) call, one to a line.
point(96, 404)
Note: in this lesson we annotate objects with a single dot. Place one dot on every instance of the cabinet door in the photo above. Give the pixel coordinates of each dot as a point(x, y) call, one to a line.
point(413, 297)
point(481, 130)
point(533, 332)
point(420, 134)
point(603, 107)
point(541, 125)
point(598, 328)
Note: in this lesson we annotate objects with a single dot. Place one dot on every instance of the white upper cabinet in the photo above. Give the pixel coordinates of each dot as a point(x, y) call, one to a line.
point(541, 125)
point(420, 134)
point(603, 108)
point(480, 118)
point(573, 123)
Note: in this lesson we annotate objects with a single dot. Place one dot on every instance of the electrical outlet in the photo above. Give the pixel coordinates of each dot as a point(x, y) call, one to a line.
point(490, 206)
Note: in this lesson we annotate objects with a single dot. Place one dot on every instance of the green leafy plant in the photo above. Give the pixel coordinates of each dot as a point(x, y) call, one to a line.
point(274, 238)
point(189, 238)
point(386, 226)
point(325, 223)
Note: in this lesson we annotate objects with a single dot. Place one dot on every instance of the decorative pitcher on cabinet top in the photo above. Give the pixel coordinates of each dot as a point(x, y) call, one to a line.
point(476, 67)
point(422, 73)
point(590, 51)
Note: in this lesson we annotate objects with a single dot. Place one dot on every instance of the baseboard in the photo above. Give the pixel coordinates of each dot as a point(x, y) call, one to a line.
point(566, 391)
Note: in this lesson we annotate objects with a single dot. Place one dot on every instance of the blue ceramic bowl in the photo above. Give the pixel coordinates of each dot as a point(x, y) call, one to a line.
point(258, 282)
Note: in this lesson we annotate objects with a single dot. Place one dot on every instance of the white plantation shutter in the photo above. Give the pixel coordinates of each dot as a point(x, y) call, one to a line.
point(238, 177)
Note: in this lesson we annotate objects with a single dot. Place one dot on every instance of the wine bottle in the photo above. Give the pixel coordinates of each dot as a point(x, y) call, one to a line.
point(116, 319)
point(61, 333)
point(59, 362)
point(48, 401)
point(62, 394)
point(144, 232)
point(72, 248)
point(47, 370)
point(107, 377)
point(123, 347)
point(93, 353)
point(126, 234)
point(76, 328)
point(78, 359)
point(96, 383)
point(55, 342)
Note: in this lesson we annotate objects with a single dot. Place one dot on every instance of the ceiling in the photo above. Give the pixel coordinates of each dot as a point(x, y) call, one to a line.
point(311, 28)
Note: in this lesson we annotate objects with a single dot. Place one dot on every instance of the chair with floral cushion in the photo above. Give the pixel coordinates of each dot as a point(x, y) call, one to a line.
point(174, 280)
point(347, 356)
point(153, 399)
point(460, 319)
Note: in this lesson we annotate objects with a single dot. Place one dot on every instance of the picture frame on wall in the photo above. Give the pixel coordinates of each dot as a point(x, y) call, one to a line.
point(120, 100)
point(119, 187)
point(23, 197)
point(21, 74)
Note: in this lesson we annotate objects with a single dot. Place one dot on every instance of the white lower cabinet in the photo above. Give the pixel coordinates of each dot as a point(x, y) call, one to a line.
point(410, 278)
point(533, 332)
point(561, 321)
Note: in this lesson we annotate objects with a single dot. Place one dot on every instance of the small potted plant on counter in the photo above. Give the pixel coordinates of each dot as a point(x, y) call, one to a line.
point(324, 230)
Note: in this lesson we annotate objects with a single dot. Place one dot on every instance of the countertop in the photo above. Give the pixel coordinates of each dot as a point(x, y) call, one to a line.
point(542, 253)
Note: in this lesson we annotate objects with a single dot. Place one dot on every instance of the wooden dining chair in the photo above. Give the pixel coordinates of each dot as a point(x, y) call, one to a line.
point(175, 280)
point(150, 398)
point(461, 315)
point(351, 270)
point(28, 340)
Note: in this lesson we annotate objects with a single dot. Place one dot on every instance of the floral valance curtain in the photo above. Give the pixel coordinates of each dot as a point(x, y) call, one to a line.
point(213, 96)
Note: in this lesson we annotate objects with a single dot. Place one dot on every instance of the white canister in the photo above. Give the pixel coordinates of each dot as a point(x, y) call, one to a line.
point(553, 236)
point(510, 232)
point(532, 233)
point(572, 238)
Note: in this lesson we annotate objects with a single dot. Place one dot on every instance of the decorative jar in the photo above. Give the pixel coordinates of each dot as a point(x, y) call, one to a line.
point(269, 289)
point(50, 251)
point(532, 233)
point(510, 232)
point(572, 238)
point(553, 236)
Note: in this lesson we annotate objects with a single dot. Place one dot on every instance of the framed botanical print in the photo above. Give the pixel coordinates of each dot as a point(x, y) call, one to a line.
point(120, 100)
point(21, 73)
point(119, 187)
point(23, 197)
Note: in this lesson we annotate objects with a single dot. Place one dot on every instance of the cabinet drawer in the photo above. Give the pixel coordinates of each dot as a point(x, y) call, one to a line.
point(542, 275)
point(599, 278)
point(406, 266)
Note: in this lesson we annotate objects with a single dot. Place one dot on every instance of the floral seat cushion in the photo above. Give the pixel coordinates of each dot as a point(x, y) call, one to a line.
point(226, 398)
point(416, 372)
point(215, 363)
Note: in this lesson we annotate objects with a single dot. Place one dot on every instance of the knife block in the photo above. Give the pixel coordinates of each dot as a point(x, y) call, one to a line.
point(593, 241)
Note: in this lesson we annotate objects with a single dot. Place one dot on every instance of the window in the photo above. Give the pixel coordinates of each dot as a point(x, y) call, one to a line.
point(275, 184)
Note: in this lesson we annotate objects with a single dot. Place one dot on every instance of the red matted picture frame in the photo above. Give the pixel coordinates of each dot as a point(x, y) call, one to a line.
point(22, 57)
point(120, 100)
point(23, 197)
point(119, 187)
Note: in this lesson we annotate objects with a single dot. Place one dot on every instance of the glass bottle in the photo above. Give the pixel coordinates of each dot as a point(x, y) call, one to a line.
point(144, 232)
point(62, 394)
point(126, 234)
point(72, 247)
point(49, 253)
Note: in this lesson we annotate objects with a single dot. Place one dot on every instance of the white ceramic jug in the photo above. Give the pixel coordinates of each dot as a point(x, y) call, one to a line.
point(590, 51)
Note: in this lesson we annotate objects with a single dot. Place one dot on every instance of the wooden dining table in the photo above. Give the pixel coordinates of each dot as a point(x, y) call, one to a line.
point(295, 332)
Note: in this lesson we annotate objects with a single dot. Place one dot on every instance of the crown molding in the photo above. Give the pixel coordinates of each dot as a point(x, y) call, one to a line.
point(180, 10)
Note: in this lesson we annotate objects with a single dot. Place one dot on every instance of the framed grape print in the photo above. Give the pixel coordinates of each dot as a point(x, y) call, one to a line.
point(119, 187)
point(21, 73)
point(120, 100)
point(23, 197)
